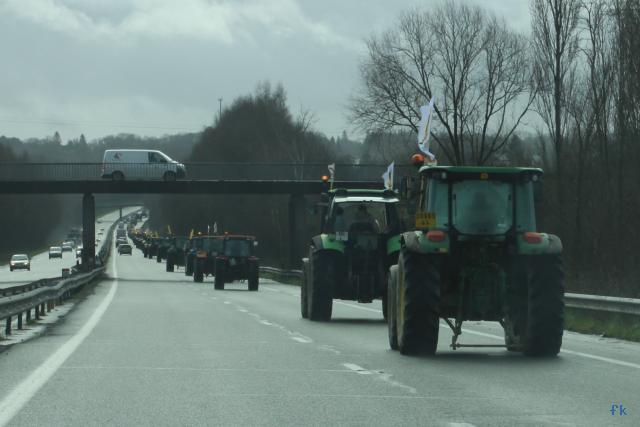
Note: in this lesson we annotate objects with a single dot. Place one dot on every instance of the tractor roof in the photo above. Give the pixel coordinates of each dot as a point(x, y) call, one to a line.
point(363, 195)
point(481, 172)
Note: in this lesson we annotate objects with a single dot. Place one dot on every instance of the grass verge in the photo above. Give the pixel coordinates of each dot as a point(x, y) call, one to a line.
point(612, 325)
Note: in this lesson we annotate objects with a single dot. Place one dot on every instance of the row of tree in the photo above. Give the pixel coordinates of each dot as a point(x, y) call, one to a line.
point(575, 77)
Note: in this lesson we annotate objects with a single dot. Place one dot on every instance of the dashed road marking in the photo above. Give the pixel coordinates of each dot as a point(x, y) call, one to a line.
point(356, 368)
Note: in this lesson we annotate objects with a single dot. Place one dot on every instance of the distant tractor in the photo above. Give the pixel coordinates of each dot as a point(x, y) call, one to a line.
point(205, 250)
point(349, 260)
point(476, 255)
point(175, 252)
point(236, 261)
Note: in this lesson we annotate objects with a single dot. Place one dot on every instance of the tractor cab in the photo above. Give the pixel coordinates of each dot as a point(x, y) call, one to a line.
point(349, 260)
point(476, 254)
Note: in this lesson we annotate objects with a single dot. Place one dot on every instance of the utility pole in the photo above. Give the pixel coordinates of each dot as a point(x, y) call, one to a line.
point(220, 110)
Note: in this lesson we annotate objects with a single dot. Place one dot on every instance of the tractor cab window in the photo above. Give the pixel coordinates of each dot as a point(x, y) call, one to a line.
point(482, 207)
point(238, 248)
point(525, 210)
point(438, 202)
point(359, 216)
point(211, 245)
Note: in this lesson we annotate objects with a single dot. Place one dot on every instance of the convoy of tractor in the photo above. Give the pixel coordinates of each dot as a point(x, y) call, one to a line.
point(226, 257)
point(454, 244)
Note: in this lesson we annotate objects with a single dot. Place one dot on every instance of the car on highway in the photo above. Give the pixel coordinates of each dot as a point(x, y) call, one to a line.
point(121, 241)
point(20, 261)
point(124, 248)
point(79, 252)
point(55, 252)
point(119, 165)
point(66, 247)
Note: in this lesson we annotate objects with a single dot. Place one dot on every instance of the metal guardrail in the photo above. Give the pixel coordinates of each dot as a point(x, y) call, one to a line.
point(581, 301)
point(603, 303)
point(42, 295)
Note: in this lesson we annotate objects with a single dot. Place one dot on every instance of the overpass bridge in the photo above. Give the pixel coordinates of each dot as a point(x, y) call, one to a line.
point(293, 179)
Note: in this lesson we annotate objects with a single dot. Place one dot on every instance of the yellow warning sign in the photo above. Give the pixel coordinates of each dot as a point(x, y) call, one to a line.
point(425, 219)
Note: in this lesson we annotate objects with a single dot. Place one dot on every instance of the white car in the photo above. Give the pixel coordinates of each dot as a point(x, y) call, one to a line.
point(55, 252)
point(119, 165)
point(20, 261)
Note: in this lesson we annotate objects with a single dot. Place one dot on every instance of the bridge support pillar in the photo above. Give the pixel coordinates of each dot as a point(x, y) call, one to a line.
point(88, 232)
point(296, 224)
point(120, 212)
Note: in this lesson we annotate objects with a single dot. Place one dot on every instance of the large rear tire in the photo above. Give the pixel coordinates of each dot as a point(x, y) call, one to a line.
point(545, 322)
point(198, 271)
point(170, 266)
point(392, 325)
point(254, 277)
point(304, 306)
point(320, 288)
point(218, 282)
point(418, 299)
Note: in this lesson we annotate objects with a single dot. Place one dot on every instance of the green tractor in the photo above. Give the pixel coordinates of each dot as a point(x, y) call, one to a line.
point(476, 255)
point(175, 253)
point(360, 240)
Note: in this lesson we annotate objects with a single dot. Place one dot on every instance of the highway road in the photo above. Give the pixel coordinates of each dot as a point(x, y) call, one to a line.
point(43, 267)
point(146, 347)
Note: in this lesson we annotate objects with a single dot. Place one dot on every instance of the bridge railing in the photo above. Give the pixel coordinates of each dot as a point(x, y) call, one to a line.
point(194, 171)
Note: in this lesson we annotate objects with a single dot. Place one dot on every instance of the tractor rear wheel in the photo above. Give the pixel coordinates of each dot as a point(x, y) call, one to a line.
point(304, 306)
point(254, 277)
point(320, 288)
point(198, 271)
point(418, 298)
point(170, 266)
point(392, 325)
point(545, 322)
point(218, 282)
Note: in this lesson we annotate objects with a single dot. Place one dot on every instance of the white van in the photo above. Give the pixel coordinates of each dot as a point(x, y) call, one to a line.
point(119, 165)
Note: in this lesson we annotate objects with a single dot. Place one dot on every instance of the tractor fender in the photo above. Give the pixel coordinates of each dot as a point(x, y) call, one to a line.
point(550, 245)
point(327, 242)
point(416, 241)
point(393, 244)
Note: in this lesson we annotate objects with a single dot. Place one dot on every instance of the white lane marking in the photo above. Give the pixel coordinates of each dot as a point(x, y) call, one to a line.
point(329, 348)
point(227, 302)
point(358, 307)
point(356, 368)
point(304, 340)
point(387, 379)
point(243, 310)
point(266, 322)
point(22, 394)
point(461, 425)
point(266, 288)
point(602, 359)
point(574, 353)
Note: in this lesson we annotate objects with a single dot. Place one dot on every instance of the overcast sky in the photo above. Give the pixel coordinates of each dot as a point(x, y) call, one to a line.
point(155, 67)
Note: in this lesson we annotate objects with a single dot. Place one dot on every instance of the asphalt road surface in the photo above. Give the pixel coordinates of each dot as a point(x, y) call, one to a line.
point(42, 267)
point(148, 347)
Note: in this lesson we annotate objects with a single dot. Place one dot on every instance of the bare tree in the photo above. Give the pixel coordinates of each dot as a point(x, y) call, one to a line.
point(556, 47)
point(471, 61)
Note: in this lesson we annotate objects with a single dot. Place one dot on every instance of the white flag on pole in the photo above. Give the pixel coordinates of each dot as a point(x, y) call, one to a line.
point(332, 169)
point(387, 177)
point(424, 128)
